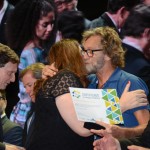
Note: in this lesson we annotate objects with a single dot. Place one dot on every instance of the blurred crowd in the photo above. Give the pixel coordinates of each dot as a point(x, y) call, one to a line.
point(47, 46)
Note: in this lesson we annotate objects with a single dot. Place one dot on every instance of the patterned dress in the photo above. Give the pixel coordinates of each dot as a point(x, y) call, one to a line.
point(20, 111)
point(51, 132)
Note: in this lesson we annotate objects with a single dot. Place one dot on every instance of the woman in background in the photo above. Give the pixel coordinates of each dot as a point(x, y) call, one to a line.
point(29, 28)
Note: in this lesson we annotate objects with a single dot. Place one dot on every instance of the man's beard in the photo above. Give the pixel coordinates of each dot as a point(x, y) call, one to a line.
point(96, 67)
point(91, 69)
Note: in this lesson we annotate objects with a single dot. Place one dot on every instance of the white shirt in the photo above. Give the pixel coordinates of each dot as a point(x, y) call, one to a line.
point(30, 121)
point(133, 44)
point(3, 115)
point(2, 11)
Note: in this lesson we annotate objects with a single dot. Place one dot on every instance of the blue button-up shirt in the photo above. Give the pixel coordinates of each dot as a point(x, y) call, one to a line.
point(118, 81)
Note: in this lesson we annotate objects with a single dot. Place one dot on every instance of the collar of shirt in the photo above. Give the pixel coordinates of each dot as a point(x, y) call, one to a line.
point(2, 11)
point(94, 81)
point(126, 41)
point(3, 115)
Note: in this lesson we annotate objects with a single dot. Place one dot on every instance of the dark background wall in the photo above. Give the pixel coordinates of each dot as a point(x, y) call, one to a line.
point(91, 8)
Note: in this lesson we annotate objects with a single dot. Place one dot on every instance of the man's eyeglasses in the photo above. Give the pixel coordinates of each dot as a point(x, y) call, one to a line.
point(89, 52)
point(60, 3)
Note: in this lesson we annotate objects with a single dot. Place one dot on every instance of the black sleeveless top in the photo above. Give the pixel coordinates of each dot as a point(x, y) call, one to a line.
point(51, 132)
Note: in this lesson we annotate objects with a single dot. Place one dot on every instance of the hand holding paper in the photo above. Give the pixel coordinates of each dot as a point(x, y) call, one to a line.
point(97, 104)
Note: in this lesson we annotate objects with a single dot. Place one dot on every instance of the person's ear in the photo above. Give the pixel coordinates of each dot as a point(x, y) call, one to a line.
point(146, 33)
point(121, 11)
point(107, 58)
point(122, 14)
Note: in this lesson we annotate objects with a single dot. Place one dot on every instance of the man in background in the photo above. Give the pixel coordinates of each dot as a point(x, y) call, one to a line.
point(12, 132)
point(8, 67)
point(136, 42)
point(117, 13)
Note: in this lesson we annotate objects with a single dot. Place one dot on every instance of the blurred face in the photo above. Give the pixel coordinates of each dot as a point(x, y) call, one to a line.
point(63, 5)
point(72, 5)
point(3, 103)
point(45, 26)
point(147, 2)
point(28, 82)
point(96, 62)
point(7, 74)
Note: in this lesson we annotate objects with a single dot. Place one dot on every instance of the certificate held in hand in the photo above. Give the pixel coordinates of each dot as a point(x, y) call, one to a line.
point(97, 104)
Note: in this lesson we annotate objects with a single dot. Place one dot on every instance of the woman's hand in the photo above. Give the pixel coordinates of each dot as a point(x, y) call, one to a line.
point(114, 130)
point(49, 71)
point(132, 99)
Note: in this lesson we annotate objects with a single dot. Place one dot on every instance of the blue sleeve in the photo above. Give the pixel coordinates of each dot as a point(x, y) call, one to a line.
point(139, 84)
point(27, 58)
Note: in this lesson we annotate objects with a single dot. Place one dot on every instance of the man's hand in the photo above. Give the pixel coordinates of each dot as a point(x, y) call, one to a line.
point(119, 132)
point(114, 130)
point(107, 142)
point(132, 99)
point(134, 147)
point(49, 71)
point(13, 147)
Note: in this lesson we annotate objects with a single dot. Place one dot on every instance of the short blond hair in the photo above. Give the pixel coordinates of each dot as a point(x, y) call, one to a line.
point(36, 70)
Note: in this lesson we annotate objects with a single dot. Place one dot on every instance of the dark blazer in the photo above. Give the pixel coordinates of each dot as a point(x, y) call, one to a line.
point(127, 142)
point(102, 21)
point(1, 131)
point(12, 132)
point(87, 23)
point(27, 134)
point(143, 140)
point(3, 23)
point(137, 64)
point(2, 146)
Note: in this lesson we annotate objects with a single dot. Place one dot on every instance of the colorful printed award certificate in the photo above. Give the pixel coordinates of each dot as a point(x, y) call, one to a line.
point(97, 104)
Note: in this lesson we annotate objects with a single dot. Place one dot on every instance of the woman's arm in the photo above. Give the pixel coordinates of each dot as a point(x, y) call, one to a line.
point(66, 109)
